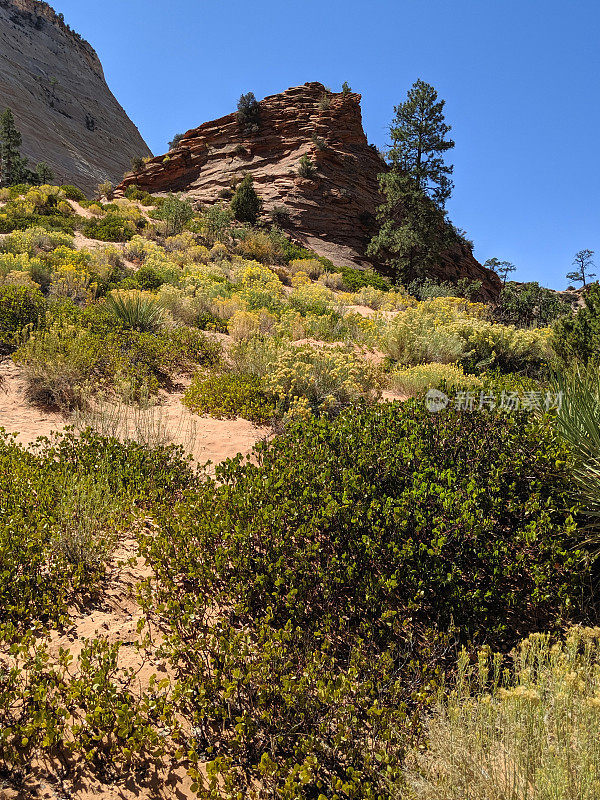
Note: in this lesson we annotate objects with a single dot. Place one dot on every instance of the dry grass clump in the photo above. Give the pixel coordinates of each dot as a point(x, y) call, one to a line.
point(525, 733)
point(85, 521)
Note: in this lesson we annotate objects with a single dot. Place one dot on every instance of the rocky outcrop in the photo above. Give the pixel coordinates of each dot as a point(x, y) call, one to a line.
point(332, 212)
point(53, 81)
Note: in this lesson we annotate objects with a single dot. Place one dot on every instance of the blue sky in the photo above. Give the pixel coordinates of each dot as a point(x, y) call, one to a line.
point(520, 80)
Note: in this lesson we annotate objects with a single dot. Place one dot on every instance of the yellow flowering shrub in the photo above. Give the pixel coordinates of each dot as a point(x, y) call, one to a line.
point(246, 324)
point(258, 286)
point(309, 266)
point(17, 262)
point(258, 246)
point(413, 380)
point(382, 301)
point(416, 336)
point(65, 256)
point(20, 278)
point(137, 248)
point(36, 240)
point(74, 282)
point(328, 378)
point(530, 731)
point(218, 252)
point(300, 279)
point(332, 280)
point(291, 325)
point(226, 307)
point(489, 345)
point(451, 329)
point(182, 305)
point(312, 298)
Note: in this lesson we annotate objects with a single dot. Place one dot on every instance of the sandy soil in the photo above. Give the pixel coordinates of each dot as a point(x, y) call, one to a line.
point(114, 616)
point(205, 438)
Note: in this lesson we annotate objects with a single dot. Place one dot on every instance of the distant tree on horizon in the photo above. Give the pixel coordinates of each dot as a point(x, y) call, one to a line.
point(501, 268)
point(582, 262)
point(175, 141)
point(413, 226)
point(248, 113)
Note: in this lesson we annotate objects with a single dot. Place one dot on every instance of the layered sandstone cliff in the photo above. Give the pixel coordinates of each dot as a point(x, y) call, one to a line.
point(333, 212)
point(54, 83)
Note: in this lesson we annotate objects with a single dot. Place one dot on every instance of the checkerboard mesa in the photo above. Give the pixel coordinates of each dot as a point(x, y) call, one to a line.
point(313, 168)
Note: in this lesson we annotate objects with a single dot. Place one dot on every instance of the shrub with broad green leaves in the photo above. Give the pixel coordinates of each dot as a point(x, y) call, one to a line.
point(308, 590)
point(228, 395)
point(110, 228)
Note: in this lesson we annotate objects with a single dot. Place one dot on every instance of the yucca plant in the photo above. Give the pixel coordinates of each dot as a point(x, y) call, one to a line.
point(136, 310)
point(578, 421)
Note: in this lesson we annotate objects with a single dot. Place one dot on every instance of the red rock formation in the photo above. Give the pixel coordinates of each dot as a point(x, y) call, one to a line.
point(332, 213)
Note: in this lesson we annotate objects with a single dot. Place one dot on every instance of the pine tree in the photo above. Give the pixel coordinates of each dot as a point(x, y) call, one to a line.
point(14, 167)
point(413, 225)
point(43, 173)
point(583, 262)
point(419, 132)
point(501, 268)
point(245, 203)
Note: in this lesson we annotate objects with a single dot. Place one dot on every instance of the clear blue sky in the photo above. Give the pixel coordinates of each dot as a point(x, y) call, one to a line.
point(520, 79)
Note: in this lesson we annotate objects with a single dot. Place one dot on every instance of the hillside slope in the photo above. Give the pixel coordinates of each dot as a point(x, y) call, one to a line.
point(333, 213)
point(54, 83)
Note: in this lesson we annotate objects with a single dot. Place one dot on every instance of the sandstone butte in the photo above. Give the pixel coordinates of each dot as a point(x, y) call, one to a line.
point(53, 81)
point(332, 213)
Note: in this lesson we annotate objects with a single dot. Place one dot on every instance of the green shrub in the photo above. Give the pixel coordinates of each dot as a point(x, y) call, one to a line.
point(245, 203)
point(66, 363)
point(529, 304)
point(73, 193)
point(576, 337)
point(528, 731)
point(307, 168)
point(60, 508)
point(110, 228)
point(209, 322)
point(307, 589)
point(177, 212)
point(20, 307)
point(355, 279)
point(58, 362)
point(229, 395)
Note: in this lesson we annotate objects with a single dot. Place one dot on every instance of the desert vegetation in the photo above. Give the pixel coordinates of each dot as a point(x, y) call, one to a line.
point(381, 600)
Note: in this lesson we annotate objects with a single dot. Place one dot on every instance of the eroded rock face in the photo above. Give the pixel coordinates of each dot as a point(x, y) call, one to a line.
point(332, 213)
point(54, 84)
